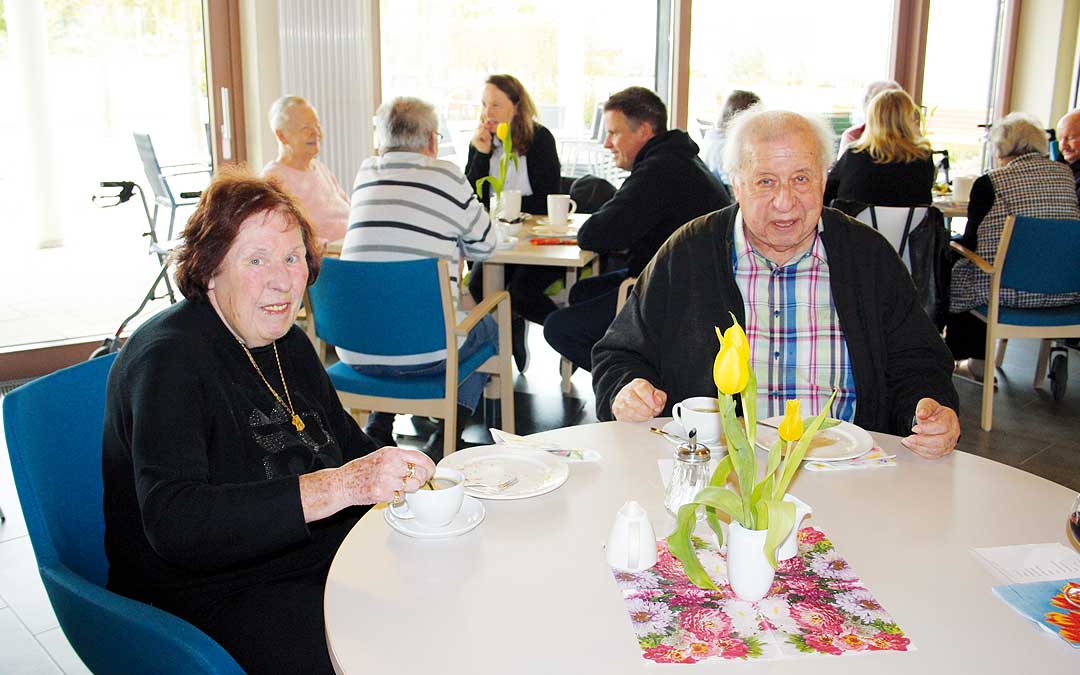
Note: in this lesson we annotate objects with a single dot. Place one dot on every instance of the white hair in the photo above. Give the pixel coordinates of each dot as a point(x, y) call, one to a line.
point(875, 88)
point(757, 125)
point(405, 124)
point(1017, 134)
point(281, 108)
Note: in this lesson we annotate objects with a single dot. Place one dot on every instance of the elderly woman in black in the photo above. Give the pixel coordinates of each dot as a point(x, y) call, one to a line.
point(231, 471)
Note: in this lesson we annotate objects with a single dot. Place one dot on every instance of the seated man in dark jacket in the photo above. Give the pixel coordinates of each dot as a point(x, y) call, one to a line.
point(825, 301)
point(668, 186)
point(1068, 135)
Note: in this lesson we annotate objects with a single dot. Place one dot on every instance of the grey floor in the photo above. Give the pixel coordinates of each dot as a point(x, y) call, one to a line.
point(1031, 432)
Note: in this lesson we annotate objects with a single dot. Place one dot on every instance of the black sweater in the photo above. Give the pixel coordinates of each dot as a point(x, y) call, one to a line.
point(200, 463)
point(668, 186)
point(542, 162)
point(857, 177)
point(665, 334)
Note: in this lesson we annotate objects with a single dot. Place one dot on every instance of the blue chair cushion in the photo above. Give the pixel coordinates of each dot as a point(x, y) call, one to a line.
point(347, 380)
point(1048, 316)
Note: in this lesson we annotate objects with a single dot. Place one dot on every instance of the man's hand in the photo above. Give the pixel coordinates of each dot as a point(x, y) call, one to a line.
point(935, 432)
point(638, 401)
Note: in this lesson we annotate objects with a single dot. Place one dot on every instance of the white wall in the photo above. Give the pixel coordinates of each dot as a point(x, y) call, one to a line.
point(262, 76)
point(1045, 58)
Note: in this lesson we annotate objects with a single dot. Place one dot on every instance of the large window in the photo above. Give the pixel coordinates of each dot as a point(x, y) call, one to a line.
point(569, 55)
point(813, 57)
point(958, 78)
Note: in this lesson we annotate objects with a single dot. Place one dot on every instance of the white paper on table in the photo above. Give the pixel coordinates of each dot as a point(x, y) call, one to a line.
point(1026, 563)
point(569, 454)
point(668, 465)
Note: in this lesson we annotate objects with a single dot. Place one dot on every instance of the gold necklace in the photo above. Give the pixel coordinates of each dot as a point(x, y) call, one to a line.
point(296, 421)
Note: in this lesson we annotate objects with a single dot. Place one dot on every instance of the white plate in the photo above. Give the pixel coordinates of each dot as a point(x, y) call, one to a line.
point(507, 243)
point(471, 514)
point(673, 427)
point(844, 441)
point(537, 472)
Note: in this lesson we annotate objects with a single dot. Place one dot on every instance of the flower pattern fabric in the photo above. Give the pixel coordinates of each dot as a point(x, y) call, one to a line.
point(817, 605)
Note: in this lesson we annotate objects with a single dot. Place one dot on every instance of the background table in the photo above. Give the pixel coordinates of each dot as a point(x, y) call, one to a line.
point(523, 253)
point(529, 591)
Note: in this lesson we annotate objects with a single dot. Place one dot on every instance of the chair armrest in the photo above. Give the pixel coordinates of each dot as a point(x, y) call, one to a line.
point(487, 306)
point(972, 256)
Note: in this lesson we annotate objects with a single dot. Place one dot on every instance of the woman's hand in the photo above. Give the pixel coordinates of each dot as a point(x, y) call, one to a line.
point(481, 140)
point(382, 476)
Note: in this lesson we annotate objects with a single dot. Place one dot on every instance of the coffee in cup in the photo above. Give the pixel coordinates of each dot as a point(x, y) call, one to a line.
point(701, 413)
point(560, 207)
point(434, 507)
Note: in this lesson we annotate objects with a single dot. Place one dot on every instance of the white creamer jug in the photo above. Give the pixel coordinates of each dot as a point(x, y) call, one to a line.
point(632, 544)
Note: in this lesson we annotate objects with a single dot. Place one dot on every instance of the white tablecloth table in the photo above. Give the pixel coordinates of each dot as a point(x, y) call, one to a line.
point(529, 590)
point(569, 256)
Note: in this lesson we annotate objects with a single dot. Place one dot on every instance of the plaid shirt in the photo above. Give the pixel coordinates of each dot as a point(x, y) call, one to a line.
point(797, 346)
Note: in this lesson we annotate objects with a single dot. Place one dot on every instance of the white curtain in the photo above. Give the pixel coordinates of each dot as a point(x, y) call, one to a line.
point(327, 56)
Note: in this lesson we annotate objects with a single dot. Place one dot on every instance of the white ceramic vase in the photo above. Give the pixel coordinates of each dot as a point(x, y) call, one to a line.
point(789, 548)
point(749, 572)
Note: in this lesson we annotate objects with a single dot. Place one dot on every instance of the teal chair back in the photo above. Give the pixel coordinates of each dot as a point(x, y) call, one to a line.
point(54, 429)
point(1043, 256)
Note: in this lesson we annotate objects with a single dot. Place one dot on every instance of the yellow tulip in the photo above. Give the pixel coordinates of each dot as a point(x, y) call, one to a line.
point(737, 337)
point(730, 372)
point(502, 131)
point(791, 428)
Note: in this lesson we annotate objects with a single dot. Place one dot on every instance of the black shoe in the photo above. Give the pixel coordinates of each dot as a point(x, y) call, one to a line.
point(433, 448)
point(380, 428)
point(519, 341)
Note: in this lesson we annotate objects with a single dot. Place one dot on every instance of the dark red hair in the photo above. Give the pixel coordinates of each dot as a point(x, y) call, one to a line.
point(233, 196)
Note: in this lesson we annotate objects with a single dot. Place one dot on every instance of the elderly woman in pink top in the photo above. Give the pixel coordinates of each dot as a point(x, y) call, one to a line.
point(296, 125)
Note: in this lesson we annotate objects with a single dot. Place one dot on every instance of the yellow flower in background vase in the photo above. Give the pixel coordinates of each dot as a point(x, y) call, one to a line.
point(791, 428)
point(502, 131)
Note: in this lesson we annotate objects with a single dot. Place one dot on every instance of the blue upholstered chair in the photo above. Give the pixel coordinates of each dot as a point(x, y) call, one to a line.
point(403, 308)
point(54, 426)
point(1037, 255)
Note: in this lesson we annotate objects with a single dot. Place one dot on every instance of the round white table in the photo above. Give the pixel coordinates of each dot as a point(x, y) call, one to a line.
point(529, 590)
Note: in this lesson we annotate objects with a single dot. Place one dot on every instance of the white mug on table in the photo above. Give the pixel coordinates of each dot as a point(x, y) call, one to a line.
point(560, 207)
point(961, 188)
point(434, 508)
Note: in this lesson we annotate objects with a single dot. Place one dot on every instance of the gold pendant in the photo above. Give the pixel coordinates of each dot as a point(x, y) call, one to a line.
point(297, 422)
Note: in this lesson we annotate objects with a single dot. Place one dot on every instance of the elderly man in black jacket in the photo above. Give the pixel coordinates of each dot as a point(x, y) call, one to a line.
point(825, 301)
point(668, 186)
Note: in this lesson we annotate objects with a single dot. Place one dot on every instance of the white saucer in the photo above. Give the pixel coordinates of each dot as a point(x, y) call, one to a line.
point(844, 441)
point(537, 472)
point(471, 514)
point(507, 243)
point(675, 429)
point(553, 232)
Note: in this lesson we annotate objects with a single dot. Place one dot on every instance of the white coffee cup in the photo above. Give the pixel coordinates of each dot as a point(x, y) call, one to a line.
point(509, 204)
point(701, 413)
point(961, 188)
point(434, 508)
point(560, 207)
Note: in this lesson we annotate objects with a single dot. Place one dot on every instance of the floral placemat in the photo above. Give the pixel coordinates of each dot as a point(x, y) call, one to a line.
point(817, 605)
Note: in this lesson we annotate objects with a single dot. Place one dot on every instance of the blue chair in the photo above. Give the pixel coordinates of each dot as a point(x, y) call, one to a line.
point(398, 309)
point(54, 427)
point(1037, 255)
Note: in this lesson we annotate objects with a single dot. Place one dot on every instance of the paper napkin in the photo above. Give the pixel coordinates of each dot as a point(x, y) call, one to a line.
point(569, 454)
point(874, 459)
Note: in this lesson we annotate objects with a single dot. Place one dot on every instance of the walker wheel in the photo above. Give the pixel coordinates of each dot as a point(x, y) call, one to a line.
point(1059, 376)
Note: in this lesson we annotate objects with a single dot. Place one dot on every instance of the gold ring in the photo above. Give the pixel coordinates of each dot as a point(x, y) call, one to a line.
point(397, 497)
point(411, 470)
point(404, 483)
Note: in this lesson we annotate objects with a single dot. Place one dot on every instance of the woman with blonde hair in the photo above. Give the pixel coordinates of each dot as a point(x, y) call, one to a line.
point(891, 164)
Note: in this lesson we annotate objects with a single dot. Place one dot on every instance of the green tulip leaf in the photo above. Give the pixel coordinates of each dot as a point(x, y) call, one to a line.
point(680, 544)
point(781, 520)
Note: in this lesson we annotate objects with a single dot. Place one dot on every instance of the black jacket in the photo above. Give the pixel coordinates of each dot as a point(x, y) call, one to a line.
point(542, 161)
point(856, 176)
point(667, 187)
point(665, 334)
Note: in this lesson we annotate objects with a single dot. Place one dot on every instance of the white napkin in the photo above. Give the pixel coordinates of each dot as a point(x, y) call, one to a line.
point(569, 454)
point(875, 458)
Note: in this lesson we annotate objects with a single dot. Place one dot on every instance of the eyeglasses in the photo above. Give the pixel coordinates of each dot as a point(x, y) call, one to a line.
point(438, 137)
